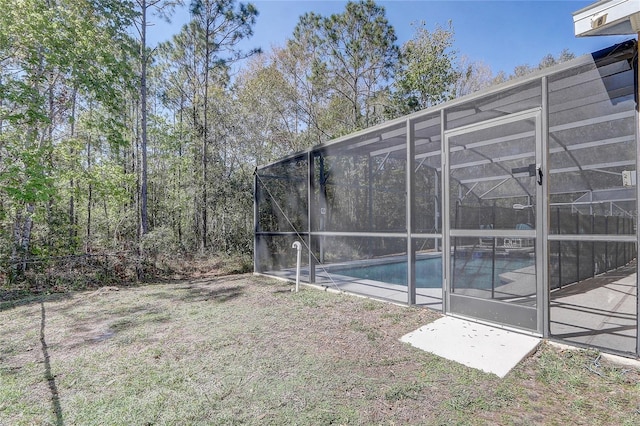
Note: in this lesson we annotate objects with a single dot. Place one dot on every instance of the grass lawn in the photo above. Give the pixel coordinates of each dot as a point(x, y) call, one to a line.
point(246, 350)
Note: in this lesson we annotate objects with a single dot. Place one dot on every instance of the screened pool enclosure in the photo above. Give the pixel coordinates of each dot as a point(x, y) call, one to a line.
point(515, 206)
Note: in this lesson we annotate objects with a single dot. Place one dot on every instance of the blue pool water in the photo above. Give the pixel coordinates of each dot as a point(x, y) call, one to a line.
point(467, 273)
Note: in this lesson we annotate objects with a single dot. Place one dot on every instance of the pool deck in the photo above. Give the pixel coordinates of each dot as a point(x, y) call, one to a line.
point(427, 297)
point(597, 312)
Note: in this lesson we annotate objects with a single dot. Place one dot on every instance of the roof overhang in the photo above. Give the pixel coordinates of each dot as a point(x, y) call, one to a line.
point(608, 17)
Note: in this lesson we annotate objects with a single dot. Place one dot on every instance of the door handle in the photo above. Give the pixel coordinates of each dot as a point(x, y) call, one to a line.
point(539, 170)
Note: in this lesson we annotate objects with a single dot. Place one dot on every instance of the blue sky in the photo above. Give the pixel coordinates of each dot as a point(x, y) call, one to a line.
point(502, 34)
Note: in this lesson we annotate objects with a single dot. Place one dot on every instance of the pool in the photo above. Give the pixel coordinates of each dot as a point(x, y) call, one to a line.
point(467, 272)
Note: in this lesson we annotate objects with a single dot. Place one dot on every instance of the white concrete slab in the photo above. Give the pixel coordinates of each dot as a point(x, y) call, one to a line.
point(490, 349)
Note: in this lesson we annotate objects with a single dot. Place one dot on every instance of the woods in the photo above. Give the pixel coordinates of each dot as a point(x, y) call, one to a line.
point(111, 145)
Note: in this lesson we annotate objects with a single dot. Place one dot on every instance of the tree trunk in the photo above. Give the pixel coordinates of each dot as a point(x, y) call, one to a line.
point(26, 235)
point(89, 200)
point(179, 174)
point(205, 135)
point(72, 204)
point(143, 106)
